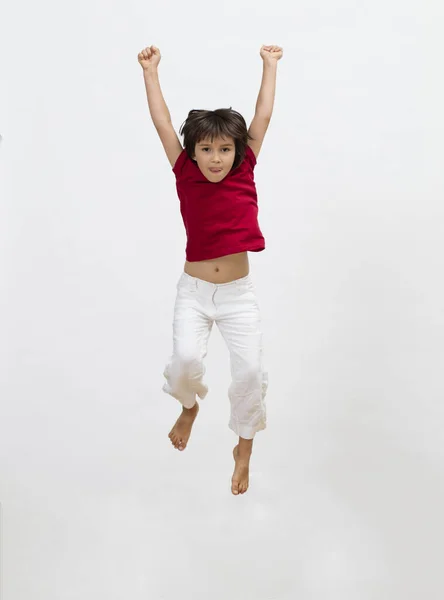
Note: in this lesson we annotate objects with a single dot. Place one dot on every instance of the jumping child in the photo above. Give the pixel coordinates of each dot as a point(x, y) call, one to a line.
point(218, 201)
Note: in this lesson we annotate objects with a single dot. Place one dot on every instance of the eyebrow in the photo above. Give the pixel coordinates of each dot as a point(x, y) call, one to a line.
point(207, 144)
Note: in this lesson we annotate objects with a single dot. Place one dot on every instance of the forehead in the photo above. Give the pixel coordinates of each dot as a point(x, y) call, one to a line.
point(216, 142)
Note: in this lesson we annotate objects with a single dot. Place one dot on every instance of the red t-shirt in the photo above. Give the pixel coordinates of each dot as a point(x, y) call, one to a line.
point(220, 218)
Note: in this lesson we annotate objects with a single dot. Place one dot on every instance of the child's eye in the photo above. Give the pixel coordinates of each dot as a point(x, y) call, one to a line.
point(227, 149)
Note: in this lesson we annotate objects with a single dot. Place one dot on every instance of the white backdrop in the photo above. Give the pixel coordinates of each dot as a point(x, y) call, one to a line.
point(347, 482)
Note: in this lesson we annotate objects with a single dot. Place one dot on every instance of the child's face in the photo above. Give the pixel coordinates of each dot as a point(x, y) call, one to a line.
point(218, 154)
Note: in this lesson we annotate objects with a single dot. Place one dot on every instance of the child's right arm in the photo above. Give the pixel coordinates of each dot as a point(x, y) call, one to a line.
point(149, 59)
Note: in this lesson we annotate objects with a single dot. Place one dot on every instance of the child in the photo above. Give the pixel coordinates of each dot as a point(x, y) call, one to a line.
point(218, 203)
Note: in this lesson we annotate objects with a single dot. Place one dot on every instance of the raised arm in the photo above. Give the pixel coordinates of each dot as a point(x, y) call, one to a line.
point(149, 59)
point(265, 100)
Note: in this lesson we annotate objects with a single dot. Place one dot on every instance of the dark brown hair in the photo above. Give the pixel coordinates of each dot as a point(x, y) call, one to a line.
point(223, 122)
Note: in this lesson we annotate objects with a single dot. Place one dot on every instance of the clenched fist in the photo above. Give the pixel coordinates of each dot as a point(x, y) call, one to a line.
point(149, 57)
point(271, 53)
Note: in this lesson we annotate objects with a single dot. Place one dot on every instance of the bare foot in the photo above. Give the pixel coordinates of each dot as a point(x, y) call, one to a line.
point(240, 479)
point(181, 431)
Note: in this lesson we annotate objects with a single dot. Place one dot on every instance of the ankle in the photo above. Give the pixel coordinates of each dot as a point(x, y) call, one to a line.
point(245, 448)
point(190, 411)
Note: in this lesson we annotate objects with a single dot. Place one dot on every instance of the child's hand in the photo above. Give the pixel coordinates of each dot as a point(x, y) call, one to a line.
point(149, 57)
point(271, 53)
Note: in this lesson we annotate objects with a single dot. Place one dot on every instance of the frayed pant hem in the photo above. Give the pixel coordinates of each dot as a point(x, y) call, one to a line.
point(186, 402)
point(245, 431)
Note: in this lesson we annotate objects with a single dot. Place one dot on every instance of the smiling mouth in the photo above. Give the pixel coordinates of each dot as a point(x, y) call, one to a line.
point(215, 170)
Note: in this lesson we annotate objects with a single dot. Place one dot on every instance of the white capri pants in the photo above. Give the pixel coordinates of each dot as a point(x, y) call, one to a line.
point(233, 306)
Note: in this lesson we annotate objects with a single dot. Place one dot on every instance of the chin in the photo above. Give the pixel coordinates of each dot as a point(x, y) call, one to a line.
point(216, 176)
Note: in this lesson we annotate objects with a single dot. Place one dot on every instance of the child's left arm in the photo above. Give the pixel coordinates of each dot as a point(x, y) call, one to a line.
point(265, 101)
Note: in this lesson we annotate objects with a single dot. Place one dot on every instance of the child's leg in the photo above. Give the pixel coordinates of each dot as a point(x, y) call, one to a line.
point(240, 325)
point(242, 332)
point(191, 330)
point(185, 370)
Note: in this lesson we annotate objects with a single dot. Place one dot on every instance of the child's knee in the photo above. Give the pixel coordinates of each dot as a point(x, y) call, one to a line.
point(184, 375)
point(250, 376)
point(188, 362)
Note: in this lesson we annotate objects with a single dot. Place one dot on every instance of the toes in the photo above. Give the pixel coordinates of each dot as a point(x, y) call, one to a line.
point(178, 443)
point(238, 487)
point(174, 440)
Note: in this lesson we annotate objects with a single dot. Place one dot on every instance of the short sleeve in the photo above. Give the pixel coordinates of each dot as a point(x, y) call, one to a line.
point(250, 156)
point(179, 164)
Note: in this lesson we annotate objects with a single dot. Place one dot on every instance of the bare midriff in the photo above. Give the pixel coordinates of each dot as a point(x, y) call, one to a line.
point(220, 270)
